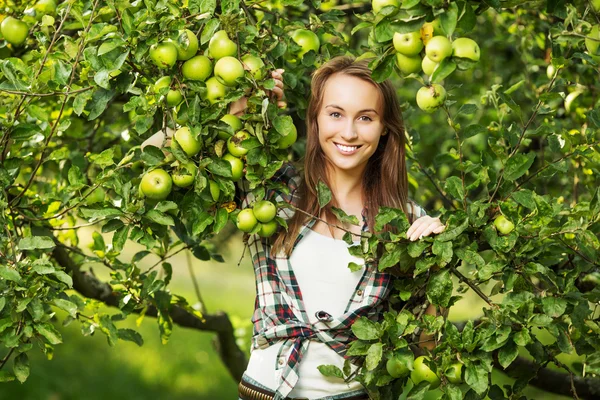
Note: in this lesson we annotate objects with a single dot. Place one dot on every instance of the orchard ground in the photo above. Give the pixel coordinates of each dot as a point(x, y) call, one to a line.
point(185, 368)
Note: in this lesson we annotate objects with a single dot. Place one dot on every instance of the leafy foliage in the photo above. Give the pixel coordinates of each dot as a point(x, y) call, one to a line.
point(518, 137)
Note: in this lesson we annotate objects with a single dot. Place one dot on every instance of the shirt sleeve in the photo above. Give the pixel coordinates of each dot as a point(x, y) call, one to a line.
point(415, 211)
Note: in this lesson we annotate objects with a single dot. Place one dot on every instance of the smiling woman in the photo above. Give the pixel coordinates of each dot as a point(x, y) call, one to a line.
point(307, 297)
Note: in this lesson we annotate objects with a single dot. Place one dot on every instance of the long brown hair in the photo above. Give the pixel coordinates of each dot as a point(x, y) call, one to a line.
point(384, 181)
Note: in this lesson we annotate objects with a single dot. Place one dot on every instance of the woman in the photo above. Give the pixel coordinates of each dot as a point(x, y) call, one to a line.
point(307, 297)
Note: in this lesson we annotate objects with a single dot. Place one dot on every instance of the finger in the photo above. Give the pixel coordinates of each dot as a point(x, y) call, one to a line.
point(278, 92)
point(281, 104)
point(440, 229)
point(415, 225)
point(279, 83)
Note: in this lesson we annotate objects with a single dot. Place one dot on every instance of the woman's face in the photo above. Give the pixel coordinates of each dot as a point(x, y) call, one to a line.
point(350, 122)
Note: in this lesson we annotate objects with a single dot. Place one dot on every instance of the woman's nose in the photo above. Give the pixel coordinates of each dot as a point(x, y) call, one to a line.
point(349, 131)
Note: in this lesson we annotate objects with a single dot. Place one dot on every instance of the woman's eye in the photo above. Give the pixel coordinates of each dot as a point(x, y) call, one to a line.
point(335, 114)
point(366, 118)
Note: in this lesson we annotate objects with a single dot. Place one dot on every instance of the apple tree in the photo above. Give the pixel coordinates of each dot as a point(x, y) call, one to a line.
point(500, 101)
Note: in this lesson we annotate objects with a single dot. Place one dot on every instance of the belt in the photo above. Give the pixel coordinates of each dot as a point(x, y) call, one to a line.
point(248, 391)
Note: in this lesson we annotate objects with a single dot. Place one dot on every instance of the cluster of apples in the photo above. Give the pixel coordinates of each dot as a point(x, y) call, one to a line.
point(260, 218)
point(424, 50)
point(218, 68)
point(397, 367)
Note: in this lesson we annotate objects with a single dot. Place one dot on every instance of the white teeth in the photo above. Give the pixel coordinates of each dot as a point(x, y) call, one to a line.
point(346, 149)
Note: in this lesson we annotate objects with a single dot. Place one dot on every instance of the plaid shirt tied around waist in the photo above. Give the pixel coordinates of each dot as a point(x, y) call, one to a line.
point(279, 309)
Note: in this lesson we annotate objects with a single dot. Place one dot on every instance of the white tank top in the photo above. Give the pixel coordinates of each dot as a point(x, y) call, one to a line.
point(320, 264)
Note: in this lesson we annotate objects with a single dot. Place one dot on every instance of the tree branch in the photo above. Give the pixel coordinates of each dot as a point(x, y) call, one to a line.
point(88, 285)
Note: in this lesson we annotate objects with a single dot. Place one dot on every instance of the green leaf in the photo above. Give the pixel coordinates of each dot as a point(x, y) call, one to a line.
point(439, 288)
point(36, 242)
point(454, 187)
point(66, 305)
point(323, 194)
point(443, 70)
point(209, 29)
point(152, 155)
point(220, 167)
point(453, 230)
point(99, 213)
point(525, 198)
point(467, 109)
point(390, 258)
point(284, 125)
point(343, 217)
point(330, 370)
point(353, 267)
point(2, 303)
point(365, 329)
point(9, 274)
point(160, 218)
point(518, 165)
point(131, 336)
point(43, 267)
point(472, 130)
point(508, 353)
point(21, 367)
point(6, 376)
point(49, 332)
point(120, 237)
point(374, 356)
point(358, 348)
point(554, 306)
point(103, 159)
point(449, 19)
point(220, 219)
point(476, 377)
point(201, 222)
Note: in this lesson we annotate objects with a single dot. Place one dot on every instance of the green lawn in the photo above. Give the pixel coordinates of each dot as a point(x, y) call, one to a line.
point(187, 367)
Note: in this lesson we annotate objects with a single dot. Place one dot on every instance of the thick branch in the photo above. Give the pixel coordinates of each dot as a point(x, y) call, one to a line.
point(555, 381)
point(89, 286)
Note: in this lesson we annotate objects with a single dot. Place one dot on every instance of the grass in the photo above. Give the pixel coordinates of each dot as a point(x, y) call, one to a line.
point(185, 368)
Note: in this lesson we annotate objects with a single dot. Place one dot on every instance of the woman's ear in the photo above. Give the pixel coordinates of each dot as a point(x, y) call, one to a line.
point(385, 132)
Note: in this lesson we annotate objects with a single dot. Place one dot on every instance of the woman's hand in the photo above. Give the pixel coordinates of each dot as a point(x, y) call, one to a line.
point(424, 226)
point(238, 107)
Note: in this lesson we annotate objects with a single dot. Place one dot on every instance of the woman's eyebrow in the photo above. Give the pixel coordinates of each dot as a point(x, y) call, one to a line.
point(361, 111)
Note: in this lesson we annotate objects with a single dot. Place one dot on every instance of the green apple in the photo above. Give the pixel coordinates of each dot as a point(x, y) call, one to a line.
point(409, 44)
point(592, 41)
point(96, 196)
point(421, 372)
point(184, 177)
point(408, 64)
point(288, 140)
point(14, 31)
point(215, 90)
point(430, 98)
point(215, 190)
point(503, 225)
point(268, 229)
point(221, 46)
point(174, 98)
point(454, 373)
point(550, 70)
point(164, 55)
point(379, 4)
point(428, 66)
point(187, 44)
point(197, 68)
point(254, 65)
point(264, 211)
point(228, 70)
point(232, 121)
point(187, 141)
point(307, 40)
point(161, 83)
point(466, 48)
point(396, 368)
point(438, 48)
point(234, 143)
point(237, 166)
point(156, 184)
point(246, 221)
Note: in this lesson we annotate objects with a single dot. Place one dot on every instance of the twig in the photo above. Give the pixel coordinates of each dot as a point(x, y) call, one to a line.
point(466, 280)
point(85, 89)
